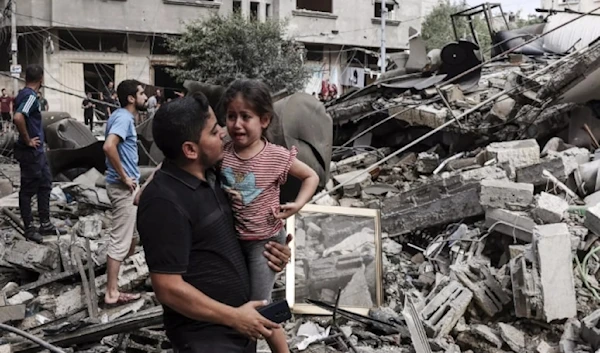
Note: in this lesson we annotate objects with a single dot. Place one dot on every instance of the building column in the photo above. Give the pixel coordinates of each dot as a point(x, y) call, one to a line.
point(246, 8)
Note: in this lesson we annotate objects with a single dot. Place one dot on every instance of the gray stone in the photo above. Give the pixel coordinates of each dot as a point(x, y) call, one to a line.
point(544, 347)
point(487, 291)
point(12, 313)
point(35, 257)
point(516, 154)
point(313, 230)
point(427, 162)
point(514, 224)
point(300, 238)
point(592, 219)
point(550, 208)
point(20, 298)
point(444, 306)
point(6, 187)
point(590, 331)
point(513, 337)
point(559, 164)
point(503, 108)
point(489, 172)
point(391, 247)
point(488, 334)
point(353, 177)
point(570, 337)
point(503, 194)
point(552, 245)
point(356, 293)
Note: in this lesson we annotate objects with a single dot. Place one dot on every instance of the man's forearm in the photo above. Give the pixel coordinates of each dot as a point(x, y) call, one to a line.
point(192, 303)
point(113, 157)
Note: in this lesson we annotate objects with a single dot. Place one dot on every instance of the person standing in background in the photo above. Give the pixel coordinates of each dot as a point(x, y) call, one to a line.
point(6, 106)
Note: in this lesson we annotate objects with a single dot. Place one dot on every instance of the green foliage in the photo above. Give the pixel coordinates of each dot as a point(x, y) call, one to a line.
point(437, 30)
point(221, 49)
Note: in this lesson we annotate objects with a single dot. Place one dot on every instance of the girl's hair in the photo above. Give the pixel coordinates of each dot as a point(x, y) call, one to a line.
point(254, 92)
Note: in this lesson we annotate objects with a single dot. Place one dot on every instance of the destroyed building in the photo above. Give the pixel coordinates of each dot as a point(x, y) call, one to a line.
point(488, 210)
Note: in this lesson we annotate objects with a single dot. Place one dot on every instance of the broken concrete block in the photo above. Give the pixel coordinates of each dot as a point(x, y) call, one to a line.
point(427, 162)
point(356, 293)
point(313, 230)
point(12, 312)
point(352, 190)
point(513, 337)
point(488, 334)
point(391, 247)
point(489, 172)
point(502, 194)
point(570, 337)
point(516, 153)
point(424, 115)
point(31, 256)
point(559, 164)
point(552, 244)
point(544, 347)
point(525, 287)
point(6, 187)
point(590, 329)
point(20, 298)
point(592, 219)
point(443, 308)
point(6, 348)
point(453, 93)
point(502, 109)
point(487, 291)
point(514, 224)
point(550, 208)
point(353, 177)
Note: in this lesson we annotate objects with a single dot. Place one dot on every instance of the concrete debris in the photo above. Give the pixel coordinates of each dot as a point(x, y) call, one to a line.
point(550, 208)
point(513, 337)
point(505, 194)
point(552, 244)
point(487, 334)
point(444, 307)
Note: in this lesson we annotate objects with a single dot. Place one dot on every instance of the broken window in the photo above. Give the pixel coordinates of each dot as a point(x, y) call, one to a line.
point(389, 6)
point(314, 52)
point(335, 250)
point(268, 11)
point(254, 10)
point(315, 5)
point(159, 46)
point(237, 6)
point(92, 41)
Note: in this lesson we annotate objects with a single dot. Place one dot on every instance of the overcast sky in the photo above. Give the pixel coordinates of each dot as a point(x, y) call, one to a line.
point(527, 6)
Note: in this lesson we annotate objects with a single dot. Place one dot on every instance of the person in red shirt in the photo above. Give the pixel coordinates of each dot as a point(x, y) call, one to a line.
point(5, 109)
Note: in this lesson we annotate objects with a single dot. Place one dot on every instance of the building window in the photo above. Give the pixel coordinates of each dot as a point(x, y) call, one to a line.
point(268, 11)
point(237, 6)
point(159, 46)
point(315, 5)
point(389, 6)
point(93, 41)
point(254, 10)
point(314, 52)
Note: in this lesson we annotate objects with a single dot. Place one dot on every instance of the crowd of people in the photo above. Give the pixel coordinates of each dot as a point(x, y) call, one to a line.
point(209, 217)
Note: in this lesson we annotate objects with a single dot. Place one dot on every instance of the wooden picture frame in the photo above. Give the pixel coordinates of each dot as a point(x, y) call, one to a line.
point(332, 248)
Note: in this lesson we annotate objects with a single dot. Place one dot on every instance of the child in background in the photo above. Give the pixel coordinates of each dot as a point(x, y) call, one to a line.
point(252, 171)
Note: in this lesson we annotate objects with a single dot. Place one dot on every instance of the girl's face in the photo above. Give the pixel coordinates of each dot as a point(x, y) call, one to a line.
point(244, 125)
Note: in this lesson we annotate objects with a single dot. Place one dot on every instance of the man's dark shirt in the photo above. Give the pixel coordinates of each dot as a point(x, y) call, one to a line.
point(27, 103)
point(87, 112)
point(186, 227)
point(5, 104)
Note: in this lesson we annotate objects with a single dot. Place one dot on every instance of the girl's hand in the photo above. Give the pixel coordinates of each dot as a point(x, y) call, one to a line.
point(287, 210)
point(233, 194)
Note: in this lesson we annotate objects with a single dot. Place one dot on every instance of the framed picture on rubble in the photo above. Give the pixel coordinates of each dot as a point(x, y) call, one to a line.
point(335, 250)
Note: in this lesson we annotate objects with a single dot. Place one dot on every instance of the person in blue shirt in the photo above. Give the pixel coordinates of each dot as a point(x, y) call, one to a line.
point(122, 178)
point(29, 152)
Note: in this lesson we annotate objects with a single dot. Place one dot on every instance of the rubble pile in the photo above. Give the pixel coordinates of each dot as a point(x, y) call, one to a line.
point(53, 290)
point(495, 251)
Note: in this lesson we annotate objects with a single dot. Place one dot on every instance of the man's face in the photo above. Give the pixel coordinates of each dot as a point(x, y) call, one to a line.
point(111, 85)
point(211, 142)
point(140, 99)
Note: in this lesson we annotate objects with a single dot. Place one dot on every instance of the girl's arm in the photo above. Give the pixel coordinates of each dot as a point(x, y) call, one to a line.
point(310, 182)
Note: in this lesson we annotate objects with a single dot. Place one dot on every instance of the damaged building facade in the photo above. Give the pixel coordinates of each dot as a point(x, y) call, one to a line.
point(114, 40)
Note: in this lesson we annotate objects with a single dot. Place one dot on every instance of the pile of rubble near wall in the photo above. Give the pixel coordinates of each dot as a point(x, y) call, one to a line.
point(55, 290)
point(489, 245)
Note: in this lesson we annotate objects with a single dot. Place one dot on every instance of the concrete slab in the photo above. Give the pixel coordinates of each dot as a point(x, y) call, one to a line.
point(550, 208)
point(505, 194)
point(514, 224)
point(444, 307)
point(552, 244)
point(592, 219)
point(516, 153)
point(513, 337)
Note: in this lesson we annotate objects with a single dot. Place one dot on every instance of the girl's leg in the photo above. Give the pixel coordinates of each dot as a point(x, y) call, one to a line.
point(262, 279)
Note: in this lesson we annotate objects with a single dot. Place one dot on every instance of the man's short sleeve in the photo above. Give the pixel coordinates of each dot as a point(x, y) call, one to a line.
point(27, 105)
point(166, 235)
point(120, 127)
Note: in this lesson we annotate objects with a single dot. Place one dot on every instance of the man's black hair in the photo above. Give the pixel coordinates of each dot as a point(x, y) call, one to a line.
point(180, 121)
point(33, 73)
point(127, 88)
point(4, 89)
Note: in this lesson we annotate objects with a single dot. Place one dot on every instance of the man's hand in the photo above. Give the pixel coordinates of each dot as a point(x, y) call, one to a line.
point(34, 142)
point(288, 210)
point(252, 324)
point(131, 184)
point(278, 254)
